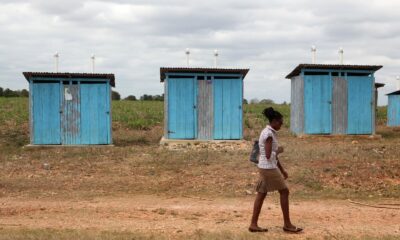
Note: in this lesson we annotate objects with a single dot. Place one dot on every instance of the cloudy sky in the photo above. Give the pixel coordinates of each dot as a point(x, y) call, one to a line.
point(132, 39)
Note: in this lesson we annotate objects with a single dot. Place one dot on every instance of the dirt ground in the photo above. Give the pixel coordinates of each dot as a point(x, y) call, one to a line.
point(140, 190)
point(173, 217)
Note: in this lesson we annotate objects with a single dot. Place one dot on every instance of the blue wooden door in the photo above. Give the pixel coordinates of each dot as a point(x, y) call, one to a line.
point(182, 108)
point(46, 113)
point(393, 111)
point(360, 104)
point(317, 104)
point(70, 117)
point(95, 113)
point(228, 108)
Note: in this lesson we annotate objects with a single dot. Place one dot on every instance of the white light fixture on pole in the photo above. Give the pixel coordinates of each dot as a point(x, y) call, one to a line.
point(398, 83)
point(215, 57)
point(314, 54)
point(93, 58)
point(56, 57)
point(187, 52)
point(341, 55)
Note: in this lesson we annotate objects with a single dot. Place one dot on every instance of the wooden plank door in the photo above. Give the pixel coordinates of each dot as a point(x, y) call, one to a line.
point(393, 111)
point(317, 104)
point(360, 104)
point(182, 113)
point(228, 108)
point(95, 113)
point(46, 113)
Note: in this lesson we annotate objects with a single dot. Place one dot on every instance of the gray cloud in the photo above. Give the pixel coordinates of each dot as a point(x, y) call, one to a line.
point(134, 38)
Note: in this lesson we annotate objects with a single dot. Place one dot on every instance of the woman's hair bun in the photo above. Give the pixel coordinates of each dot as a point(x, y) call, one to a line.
point(271, 114)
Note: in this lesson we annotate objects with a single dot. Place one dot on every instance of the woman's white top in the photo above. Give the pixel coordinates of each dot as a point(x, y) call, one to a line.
point(272, 162)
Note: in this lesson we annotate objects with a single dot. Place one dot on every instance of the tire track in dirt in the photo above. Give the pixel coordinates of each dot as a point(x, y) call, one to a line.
point(185, 215)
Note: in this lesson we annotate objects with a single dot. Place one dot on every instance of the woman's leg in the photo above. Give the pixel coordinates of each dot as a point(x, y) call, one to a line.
point(257, 209)
point(284, 194)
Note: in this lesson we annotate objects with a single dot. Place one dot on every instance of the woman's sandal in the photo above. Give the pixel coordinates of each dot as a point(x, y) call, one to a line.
point(292, 230)
point(258, 230)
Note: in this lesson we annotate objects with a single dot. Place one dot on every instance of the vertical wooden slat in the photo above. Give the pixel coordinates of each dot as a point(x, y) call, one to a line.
point(70, 118)
point(30, 112)
point(339, 106)
point(218, 108)
point(109, 107)
point(373, 103)
point(297, 105)
point(166, 108)
point(205, 109)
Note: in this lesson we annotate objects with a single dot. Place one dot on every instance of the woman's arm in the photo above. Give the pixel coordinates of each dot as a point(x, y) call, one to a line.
point(284, 173)
point(268, 147)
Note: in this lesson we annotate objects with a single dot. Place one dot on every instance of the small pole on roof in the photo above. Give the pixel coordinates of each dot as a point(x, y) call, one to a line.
point(56, 57)
point(93, 57)
point(313, 53)
point(215, 57)
point(398, 83)
point(341, 55)
point(187, 52)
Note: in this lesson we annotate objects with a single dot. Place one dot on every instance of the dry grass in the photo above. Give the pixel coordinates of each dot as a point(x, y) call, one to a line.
point(318, 166)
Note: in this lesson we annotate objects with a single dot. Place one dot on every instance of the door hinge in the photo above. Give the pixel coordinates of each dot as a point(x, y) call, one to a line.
point(170, 131)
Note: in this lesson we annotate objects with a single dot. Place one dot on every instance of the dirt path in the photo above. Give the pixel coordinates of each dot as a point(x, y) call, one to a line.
point(184, 215)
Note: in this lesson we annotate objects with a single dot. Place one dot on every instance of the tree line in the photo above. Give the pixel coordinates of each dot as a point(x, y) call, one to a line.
point(145, 97)
point(11, 93)
point(116, 96)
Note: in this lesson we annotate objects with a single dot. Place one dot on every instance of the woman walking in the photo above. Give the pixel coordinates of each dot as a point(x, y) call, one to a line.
point(272, 173)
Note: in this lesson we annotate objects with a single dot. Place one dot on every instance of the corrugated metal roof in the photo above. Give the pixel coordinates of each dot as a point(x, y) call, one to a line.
point(298, 69)
point(394, 93)
point(109, 76)
point(165, 70)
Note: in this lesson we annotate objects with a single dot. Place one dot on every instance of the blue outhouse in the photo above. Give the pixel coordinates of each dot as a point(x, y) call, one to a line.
point(203, 103)
point(70, 108)
point(332, 99)
point(393, 109)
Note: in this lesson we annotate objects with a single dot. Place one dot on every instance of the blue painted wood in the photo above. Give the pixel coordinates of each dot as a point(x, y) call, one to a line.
point(70, 117)
point(218, 109)
point(39, 79)
point(393, 111)
point(360, 104)
point(335, 70)
point(30, 112)
point(204, 74)
point(46, 113)
point(94, 113)
point(182, 120)
point(109, 112)
point(317, 104)
point(228, 108)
